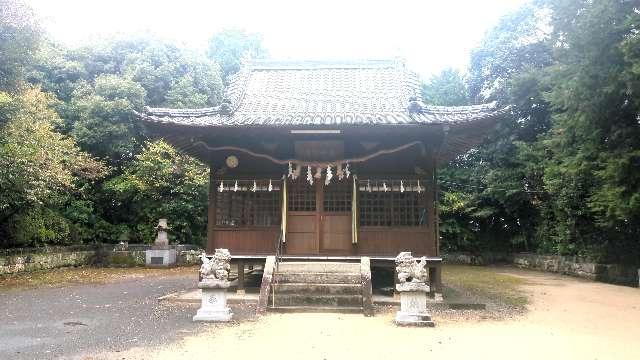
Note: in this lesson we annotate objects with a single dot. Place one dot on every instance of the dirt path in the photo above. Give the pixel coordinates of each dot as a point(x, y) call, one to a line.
point(568, 319)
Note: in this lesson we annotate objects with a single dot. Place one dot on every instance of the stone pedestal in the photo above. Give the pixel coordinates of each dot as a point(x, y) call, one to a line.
point(412, 285)
point(413, 305)
point(160, 257)
point(413, 309)
point(214, 302)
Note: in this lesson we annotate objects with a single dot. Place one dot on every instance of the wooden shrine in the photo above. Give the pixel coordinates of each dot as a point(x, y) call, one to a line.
point(331, 158)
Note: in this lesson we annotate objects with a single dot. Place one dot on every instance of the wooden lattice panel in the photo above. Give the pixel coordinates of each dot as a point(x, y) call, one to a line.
point(301, 196)
point(338, 196)
point(382, 203)
point(245, 208)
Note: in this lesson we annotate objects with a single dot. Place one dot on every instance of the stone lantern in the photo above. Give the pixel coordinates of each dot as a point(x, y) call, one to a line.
point(161, 254)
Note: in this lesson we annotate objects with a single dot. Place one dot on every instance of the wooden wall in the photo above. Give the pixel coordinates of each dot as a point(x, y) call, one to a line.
point(390, 242)
point(372, 241)
point(245, 241)
point(375, 241)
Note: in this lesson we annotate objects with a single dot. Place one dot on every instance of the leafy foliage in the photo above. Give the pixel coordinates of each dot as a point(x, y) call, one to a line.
point(446, 89)
point(499, 182)
point(103, 119)
point(561, 175)
point(230, 46)
point(41, 168)
point(163, 183)
point(20, 35)
point(81, 107)
point(593, 171)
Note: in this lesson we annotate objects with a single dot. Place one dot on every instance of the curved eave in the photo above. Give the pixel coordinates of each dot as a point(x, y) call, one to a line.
point(460, 139)
point(210, 118)
point(461, 131)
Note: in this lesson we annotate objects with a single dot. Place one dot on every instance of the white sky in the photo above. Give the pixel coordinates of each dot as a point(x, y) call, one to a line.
point(430, 35)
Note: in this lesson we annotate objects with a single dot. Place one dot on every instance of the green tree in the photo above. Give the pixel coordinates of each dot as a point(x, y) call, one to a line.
point(560, 174)
point(40, 170)
point(593, 149)
point(446, 89)
point(162, 183)
point(184, 95)
point(50, 190)
point(155, 65)
point(230, 46)
point(20, 36)
point(104, 122)
point(99, 87)
point(516, 45)
point(491, 196)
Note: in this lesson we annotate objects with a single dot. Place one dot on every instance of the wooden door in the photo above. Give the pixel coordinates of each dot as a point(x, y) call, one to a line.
point(302, 218)
point(319, 218)
point(335, 218)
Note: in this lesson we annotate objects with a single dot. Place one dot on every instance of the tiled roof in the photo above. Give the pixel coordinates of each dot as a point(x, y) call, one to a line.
point(322, 93)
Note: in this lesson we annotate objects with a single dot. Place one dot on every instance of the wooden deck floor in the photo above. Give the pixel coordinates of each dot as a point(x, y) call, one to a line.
point(375, 259)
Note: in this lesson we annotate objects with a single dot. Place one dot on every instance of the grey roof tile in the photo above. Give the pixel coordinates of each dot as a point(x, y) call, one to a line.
point(322, 93)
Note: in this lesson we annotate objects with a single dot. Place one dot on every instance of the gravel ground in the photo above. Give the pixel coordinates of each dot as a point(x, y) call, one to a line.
point(567, 319)
point(79, 320)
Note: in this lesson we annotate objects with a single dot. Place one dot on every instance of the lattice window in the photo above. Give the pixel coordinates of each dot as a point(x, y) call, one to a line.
point(302, 196)
point(245, 207)
point(338, 196)
point(382, 203)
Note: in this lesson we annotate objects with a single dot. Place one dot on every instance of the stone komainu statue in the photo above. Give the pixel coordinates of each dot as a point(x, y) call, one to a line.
point(217, 268)
point(409, 269)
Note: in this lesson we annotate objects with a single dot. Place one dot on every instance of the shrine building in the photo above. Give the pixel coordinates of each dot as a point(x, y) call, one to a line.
point(324, 159)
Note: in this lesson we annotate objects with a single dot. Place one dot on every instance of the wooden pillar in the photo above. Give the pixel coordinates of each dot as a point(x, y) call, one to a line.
point(436, 208)
point(435, 278)
point(240, 289)
point(396, 294)
point(211, 212)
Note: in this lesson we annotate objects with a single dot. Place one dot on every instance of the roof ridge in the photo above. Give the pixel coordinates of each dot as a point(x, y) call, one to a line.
point(190, 112)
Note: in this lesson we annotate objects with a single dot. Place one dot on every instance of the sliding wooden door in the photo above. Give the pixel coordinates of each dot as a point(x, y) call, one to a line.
point(319, 218)
point(335, 218)
point(302, 218)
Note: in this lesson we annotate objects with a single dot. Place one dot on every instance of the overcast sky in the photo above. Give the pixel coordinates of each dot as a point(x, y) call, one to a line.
point(430, 35)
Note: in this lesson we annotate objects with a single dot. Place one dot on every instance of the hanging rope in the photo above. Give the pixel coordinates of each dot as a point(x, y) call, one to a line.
point(354, 212)
point(284, 209)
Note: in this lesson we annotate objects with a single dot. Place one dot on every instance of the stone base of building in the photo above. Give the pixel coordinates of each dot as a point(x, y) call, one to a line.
point(160, 257)
point(214, 306)
point(407, 319)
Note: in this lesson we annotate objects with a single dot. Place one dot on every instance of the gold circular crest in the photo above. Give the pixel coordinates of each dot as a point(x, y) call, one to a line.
point(232, 161)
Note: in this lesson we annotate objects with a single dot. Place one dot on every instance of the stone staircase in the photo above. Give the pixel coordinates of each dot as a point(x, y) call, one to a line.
point(321, 287)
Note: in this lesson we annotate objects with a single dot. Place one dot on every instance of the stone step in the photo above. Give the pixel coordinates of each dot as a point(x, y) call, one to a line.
point(318, 267)
point(318, 300)
point(317, 309)
point(317, 278)
point(318, 289)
